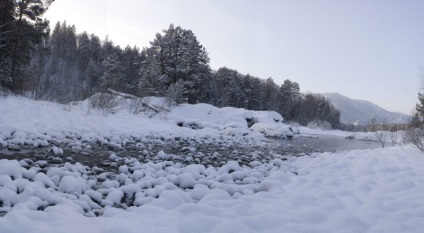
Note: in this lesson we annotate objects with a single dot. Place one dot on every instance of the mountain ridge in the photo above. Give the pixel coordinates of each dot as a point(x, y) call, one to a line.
point(360, 112)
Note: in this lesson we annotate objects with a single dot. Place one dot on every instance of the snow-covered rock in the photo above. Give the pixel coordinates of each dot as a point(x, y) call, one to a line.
point(71, 185)
point(273, 130)
point(55, 151)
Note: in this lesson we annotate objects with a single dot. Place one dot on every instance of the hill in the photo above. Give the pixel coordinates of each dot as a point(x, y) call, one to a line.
point(360, 112)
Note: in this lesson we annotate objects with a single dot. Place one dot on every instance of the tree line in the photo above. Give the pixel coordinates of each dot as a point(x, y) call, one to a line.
point(65, 66)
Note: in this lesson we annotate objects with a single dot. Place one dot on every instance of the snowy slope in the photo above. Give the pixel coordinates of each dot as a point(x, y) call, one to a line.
point(361, 112)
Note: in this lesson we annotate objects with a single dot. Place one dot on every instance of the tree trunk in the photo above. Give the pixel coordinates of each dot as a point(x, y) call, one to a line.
point(14, 84)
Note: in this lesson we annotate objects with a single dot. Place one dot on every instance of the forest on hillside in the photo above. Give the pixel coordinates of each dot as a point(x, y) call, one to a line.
point(62, 65)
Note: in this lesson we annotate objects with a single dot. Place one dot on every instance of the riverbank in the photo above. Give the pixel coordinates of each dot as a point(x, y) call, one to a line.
point(194, 168)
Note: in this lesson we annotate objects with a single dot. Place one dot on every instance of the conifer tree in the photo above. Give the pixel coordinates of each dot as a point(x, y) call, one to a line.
point(7, 22)
point(29, 14)
point(420, 106)
point(181, 57)
point(113, 73)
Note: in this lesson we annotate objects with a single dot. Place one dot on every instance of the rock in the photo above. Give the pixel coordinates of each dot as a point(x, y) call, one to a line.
point(3, 212)
point(24, 164)
point(57, 160)
point(40, 156)
point(41, 163)
point(162, 155)
point(76, 149)
point(113, 157)
point(85, 154)
point(105, 163)
point(98, 170)
point(14, 147)
point(28, 161)
point(29, 147)
point(55, 152)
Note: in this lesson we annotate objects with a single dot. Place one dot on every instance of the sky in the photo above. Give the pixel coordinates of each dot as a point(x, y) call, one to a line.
point(364, 49)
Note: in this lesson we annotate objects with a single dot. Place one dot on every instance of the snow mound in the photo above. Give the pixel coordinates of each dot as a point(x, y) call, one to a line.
point(273, 130)
point(71, 185)
point(201, 116)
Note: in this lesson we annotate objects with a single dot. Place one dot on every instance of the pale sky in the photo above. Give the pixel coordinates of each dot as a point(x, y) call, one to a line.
point(364, 49)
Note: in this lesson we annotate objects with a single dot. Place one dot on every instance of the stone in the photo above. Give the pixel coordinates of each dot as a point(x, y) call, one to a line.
point(98, 170)
point(40, 156)
point(57, 160)
point(55, 152)
point(14, 147)
point(105, 163)
point(86, 154)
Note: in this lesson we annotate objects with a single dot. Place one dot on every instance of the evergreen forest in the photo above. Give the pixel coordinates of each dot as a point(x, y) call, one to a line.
point(58, 64)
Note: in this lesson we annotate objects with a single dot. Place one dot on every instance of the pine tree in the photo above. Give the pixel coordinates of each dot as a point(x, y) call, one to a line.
point(226, 86)
point(64, 73)
point(113, 73)
point(7, 22)
point(417, 120)
point(152, 82)
point(289, 98)
point(84, 52)
point(130, 62)
point(25, 36)
point(255, 101)
point(270, 95)
point(181, 57)
point(420, 106)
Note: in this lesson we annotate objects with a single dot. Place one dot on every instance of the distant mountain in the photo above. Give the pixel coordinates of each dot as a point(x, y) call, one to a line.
point(360, 112)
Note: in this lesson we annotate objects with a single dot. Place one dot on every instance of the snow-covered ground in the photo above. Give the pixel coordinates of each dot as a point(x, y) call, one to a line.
point(353, 191)
point(37, 123)
point(357, 191)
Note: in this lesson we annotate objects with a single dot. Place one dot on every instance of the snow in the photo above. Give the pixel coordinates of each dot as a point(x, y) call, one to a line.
point(350, 191)
point(40, 123)
point(11, 169)
point(357, 191)
point(185, 180)
point(207, 116)
point(71, 185)
point(273, 130)
point(56, 151)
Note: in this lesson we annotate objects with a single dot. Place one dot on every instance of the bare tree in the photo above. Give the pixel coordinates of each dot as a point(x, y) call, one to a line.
point(414, 133)
point(415, 136)
point(378, 130)
point(396, 131)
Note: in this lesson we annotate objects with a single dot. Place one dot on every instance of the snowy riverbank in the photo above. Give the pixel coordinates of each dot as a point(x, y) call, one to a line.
point(38, 123)
point(357, 191)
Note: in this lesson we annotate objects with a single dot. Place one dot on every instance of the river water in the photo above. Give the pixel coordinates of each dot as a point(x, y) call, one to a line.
point(326, 143)
point(215, 155)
